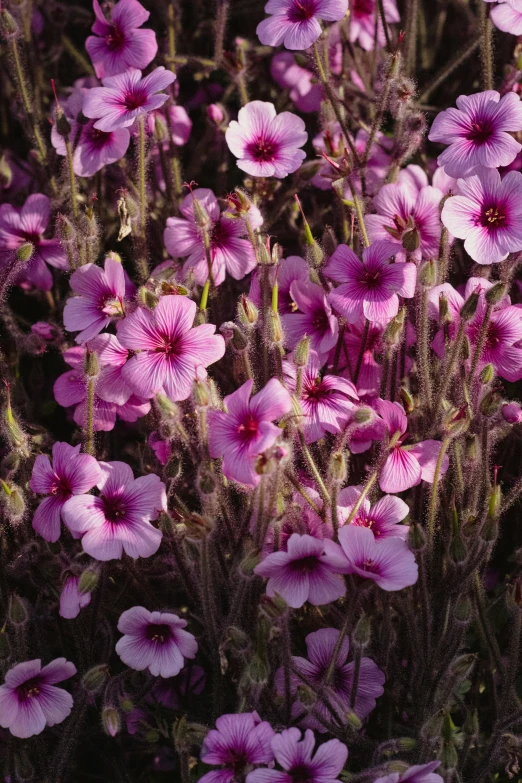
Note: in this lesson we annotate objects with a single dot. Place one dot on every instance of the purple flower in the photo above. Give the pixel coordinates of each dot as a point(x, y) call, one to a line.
point(420, 773)
point(296, 22)
point(121, 44)
point(171, 353)
point(406, 466)
point(507, 16)
point(125, 97)
point(313, 318)
point(294, 755)
point(119, 519)
point(362, 21)
point(326, 403)
point(305, 572)
point(487, 214)
point(478, 132)
point(512, 413)
point(29, 700)
point(266, 144)
point(289, 269)
point(382, 518)
point(389, 563)
point(369, 288)
point(100, 300)
point(155, 641)
point(247, 429)
point(305, 94)
point(28, 224)
point(71, 473)
point(320, 647)
point(229, 251)
point(112, 356)
point(71, 600)
point(236, 744)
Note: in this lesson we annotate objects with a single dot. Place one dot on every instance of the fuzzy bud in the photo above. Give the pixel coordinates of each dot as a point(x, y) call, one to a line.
point(8, 24)
point(215, 113)
point(257, 672)
point(275, 328)
point(469, 308)
point(363, 415)
point(408, 403)
point(239, 341)
point(457, 549)
point(13, 501)
point(444, 312)
point(411, 240)
point(512, 413)
point(495, 294)
point(495, 501)
point(6, 172)
point(18, 611)
point(207, 483)
point(201, 217)
point(111, 721)
point(198, 526)
point(489, 531)
point(490, 403)
point(62, 123)
point(201, 394)
point(462, 665)
point(94, 679)
point(88, 581)
point(302, 352)
point(353, 721)
point(248, 313)
point(416, 539)
point(15, 434)
point(472, 448)
point(25, 252)
point(428, 273)
point(338, 469)
point(363, 631)
point(249, 562)
point(167, 408)
point(238, 639)
point(487, 374)
point(147, 298)
point(91, 364)
point(393, 332)
point(463, 611)
point(329, 241)
point(272, 608)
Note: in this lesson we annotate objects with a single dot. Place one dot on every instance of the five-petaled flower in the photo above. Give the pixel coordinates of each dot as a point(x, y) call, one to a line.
point(295, 23)
point(120, 44)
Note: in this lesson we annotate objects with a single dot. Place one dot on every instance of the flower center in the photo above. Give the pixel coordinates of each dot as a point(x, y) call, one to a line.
point(98, 138)
point(115, 40)
point(315, 391)
point(28, 690)
point(111, 306)
point(302, 10)
point(167, 345)
point(263, 150)
point(479, 133)
point(301, 774)
point(492, 338)
point(493, 217)
point(134, 99)
point(158, 633)
point(219, 234)
point(34, 238)
point(248, 428)
point(236, 760)
point(320, 321)
point(305, 564)
point(61, 487)
point(114, 509)
point(371, 279)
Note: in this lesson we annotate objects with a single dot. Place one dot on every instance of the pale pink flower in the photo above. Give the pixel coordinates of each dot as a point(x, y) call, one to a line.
point(237, 742)
point(120, 44)
point(71, 600)
point(289, 269)
point(294, 755)
point(313, 318)
point(507, 16)
point(362, 21)
point(420, 773)
point(295, 23)
point(389, 563)
point(305, 93)
point(382, 518)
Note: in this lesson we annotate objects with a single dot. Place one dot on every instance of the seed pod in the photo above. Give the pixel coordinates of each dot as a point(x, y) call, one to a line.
point(487, 374)
point(200, 394)
point(248, 313)
point(8, 24)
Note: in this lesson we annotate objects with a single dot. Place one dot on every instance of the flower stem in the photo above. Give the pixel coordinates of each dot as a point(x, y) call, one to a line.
point(447, 372)
point(366, 489)
point(356, 672)
point(361, 351)
point(220, 27)
point(435, 493)
point(486, 49)
point(313, 468)
point(481, 340)
point(89, 430)
point(142, 184)
point(204, 296)
point(72, 179)
point(423, 347)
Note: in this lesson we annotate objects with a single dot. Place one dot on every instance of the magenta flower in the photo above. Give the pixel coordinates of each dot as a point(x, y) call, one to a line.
point(171, 353)
point(478, 132)
point(120, 44)
point(112, 356)
point(100, 300)
point(246, 430)
point(28, 224)
point(294, 755)
point(119, 520)
point(305, 572)
point(304, 92)
point(406, 466)
point(320, 647)
point(266, 144)
point(327, 403)
point(296, 22)
point(229, 251)
point(125, 97)
point(362, 21)
point(29, 700)
point(236, 744)
point(382, 518)
point(71, 473)
point(155, 641)
point(369, 288)
point(289, 269)
point(401, 211)
point(389, 563)
point(507, 16)
point(313, 318)
point(512, 413)
point(487, 214)
point(71, 600)
point(420, 773)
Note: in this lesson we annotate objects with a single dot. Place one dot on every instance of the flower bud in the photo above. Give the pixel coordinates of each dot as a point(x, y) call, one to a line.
point(13, 501)
point(363, 631)
point(428, 273)
point(15, 434)
point(91, 364)
point(411, 241)
point(272, 608)
point(363, 415)
point(249, 562)
point(353, 721)
point(200, 394)
point(393, 332)
point(512, 413)
point(275, 328)
point(472, 448)
point(167, 408)
point(329, 241)
point(495, 501)
point(62, 123)
point(147, 298)
point(416, 539)
point(8, 24)
point(338, 467)
point(406, 744)
point(248, 313)
point(462, 665)
point(457, 550)
point(257, 672)
point(302, 352)
point(490, 403)
point(201, 217)
point(495, 294)
point(463, 610)
point(469, 308)
point(111, 721)
point(487, 374)
point(238, 639)
point(6, 172)
point(215, 113)
point(174, 467)
point(25, 252)
point(18, 610)
point(94, 679)
point(408, 403)
point(207, 483)
point(489, 531)
point(239, 341)
point(444, 313)
point(88, 581)
point(198, 526)
point(306, 695)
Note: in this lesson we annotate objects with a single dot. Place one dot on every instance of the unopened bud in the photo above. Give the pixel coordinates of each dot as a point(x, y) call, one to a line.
point(201, 217)
point(495, 501)
point(91, 364)
point(329, 241)
point(18, 610)
point(8, 24)
point(248, 313)
point(147, 298)
point(62, 123)
point(463, 611)
point(257, 672)
point(198, 526)
point(87, 581)
point(472, 448)
point(273, 608)
point(353, 721)
point(238, 639)
point(111, 721)
point(405, 744)
point(495, 294)
point(363, 415)
point(239, 341)
point(94, 679)
point(314, 255)
point(201, 394)
point(465, 351)
point(363, 631)
point(487, 374)
point(249, 562)
point(490, 403)
point(207, 483)
point(457, 550)
point(13, 501)
point(338, 467)
point(489, 531)
point(393, 332)
point(428, 274)
point(15, 434)
point(469, 308)
point(167, 408)
point(306, 695)
point(25, 252)
point(302, 352)
point(173, 467)
point(416, 539)
point(462, 666)
point(10, 463)
point(275, 328)
point(444, 312)
point(407, 400)
point(411, 240)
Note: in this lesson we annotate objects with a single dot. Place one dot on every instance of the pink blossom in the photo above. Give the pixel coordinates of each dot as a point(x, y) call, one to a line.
point(266, 144)
point(71, 600)
point(125, 97)
point(45, 330)
point(507, 16)
point(478, 132)
point(229, 251)
point(294, 755)
point(155, 641)
point(237, 742)
point(369, 288)
point(406, 466)
point(289, 269)
point(112, 356)
point(28, 224)
point(305, 572)
point(512, 413)
point(160, 447)
point(71, 473)
point(120, 44)
point(171, 352)
point(246, 430)
point(420, 773)
point(119, 519)
point(304, 92)
point(389, 563)
point(382, 518)
point(487, 214)
point(295, 23)
point(313, 318)
point(362, 21)
point(180, 124)
point(29, 700)
point(327, 403)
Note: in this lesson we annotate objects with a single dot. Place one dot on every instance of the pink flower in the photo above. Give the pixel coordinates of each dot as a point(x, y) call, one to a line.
point(119, 519)
point(305, 94)
point(71, 600)
point(389, 563)
point(362, 21)
point(369, 288)
point(100, 300)
point(112, 356)
point(121, 44)
point(296, 22)
point(478, 132)
point(171, 352)
point(289, 269)
point(247, 429)
point(29, 700)
point(382, 518)
point(125, 97)
point(400, 211)
point(71, 473)
point(266, 144)
point(327, 403)
point(512, 413)
point(314, 318)
point(160, 447)
point(237, 742)
point(155, 641)
point(487, 214)
point(294, 755)
point(28, 224)
point(229, 251)
point(305, 572)
point(507, 16)
point(406, 466)
point(420, 773)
